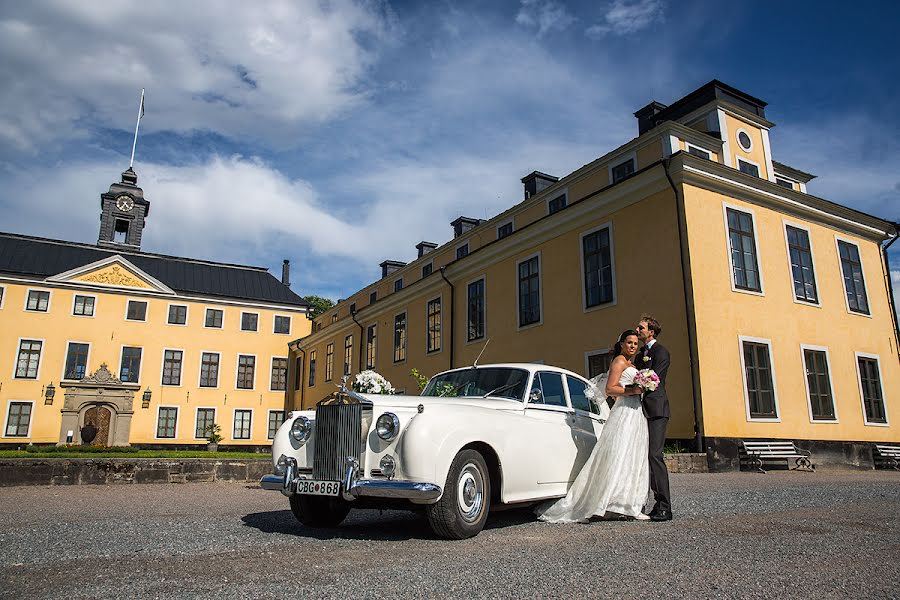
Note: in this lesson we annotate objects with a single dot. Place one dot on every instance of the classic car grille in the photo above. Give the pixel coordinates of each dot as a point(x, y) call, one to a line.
point(339, 434)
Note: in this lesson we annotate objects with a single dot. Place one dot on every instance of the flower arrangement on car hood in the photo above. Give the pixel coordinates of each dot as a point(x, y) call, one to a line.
point(371, 382)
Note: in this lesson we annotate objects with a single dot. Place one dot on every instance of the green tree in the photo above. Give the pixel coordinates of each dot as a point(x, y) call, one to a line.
point(317, 305)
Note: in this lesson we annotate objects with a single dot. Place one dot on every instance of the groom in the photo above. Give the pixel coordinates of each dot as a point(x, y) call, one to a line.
point(654, 356)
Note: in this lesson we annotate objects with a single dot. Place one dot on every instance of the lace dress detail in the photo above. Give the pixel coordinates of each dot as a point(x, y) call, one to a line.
point(616, 476)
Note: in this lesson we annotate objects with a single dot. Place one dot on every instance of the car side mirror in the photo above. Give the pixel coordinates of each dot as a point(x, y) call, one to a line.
point(535, 395)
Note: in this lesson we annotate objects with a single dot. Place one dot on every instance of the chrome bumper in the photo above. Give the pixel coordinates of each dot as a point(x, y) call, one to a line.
point(353, 487)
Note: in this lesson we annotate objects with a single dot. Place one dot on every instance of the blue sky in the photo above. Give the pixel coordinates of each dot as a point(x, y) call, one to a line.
point(339, 134)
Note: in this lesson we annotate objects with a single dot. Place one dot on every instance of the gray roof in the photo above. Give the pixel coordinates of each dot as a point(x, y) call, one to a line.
point(37, 257)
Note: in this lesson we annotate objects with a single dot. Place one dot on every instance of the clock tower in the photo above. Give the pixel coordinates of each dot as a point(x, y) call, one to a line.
point(122, 213)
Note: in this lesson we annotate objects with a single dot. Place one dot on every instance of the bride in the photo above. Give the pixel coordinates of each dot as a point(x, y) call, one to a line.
point(616, 476)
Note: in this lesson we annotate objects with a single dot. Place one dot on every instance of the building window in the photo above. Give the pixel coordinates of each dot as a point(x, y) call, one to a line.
point(784, 183)
point(137, 310)
point(854, 282)
point(557, 204)
point(177, 314)
point(370, 346)
point(84, 306)
point(206, 417)
point(462, 251)
point(18, 419)
point(758, 380)
point(699, 152)
point(745, 269)
point(29, 359)
point(353, 308)
point(38, 301)
point(747, 167)
point(623, 170)
point(209, 369)
point(130, 367)
point(529, 291)
point(426, 270)
point(870, 387)
point(76, 360)
point(282, 324)
point(400, 337)
point(298, 373)
point(214, 318)
point(242, 424)
point(278, 381)
point(398, 285)
point(596, 249)
point(172, 367)
point(818, 383)
point(329, 362)
point(433, 313)
point(246, 371)
point(348, 354)
point(504, 230)
point(801, 265)
point(249, 321)
point(475, 310)
point(312, 368)
point(334, 318)
point(373, 297)
point(276, 418)
point(744, 141)
point(599, 363)
point(166, 420)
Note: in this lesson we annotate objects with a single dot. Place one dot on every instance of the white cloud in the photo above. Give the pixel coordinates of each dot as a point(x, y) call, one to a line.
point(895, 278)
point(626, 17)
point(544, 15)
point(238, 68)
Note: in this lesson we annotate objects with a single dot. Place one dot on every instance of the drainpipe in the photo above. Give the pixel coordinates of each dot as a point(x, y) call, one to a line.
point(444, 277)
point(358, 324)
point(892, 305)
point(689, 307)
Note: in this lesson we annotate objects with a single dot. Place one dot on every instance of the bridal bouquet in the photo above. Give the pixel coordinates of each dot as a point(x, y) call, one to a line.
point(370, 382)
point(647, 380)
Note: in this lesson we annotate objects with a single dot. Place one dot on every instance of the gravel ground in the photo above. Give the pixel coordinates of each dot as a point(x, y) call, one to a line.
point(779, 535)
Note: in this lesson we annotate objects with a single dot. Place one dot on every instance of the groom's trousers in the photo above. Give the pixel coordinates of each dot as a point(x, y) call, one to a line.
point(659, 475)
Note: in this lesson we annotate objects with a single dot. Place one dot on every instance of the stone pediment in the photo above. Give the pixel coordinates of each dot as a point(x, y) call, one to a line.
point(113, 272)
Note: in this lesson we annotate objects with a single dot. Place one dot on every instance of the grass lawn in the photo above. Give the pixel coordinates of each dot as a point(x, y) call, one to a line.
point(138, 454)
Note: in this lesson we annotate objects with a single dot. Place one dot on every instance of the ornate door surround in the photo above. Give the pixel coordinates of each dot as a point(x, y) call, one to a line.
point(100, 389)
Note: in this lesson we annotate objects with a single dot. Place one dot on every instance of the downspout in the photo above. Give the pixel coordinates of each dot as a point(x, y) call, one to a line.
point(892, 305)
point(358, 324)
point(444, 277)
point(689, 307)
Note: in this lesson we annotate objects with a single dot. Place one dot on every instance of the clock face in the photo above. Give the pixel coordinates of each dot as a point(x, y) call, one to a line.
point(124, 203)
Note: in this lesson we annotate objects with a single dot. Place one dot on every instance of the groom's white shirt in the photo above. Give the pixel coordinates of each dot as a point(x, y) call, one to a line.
point(649, 344)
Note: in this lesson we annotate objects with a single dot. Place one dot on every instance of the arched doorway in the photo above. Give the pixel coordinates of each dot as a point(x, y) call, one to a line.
point(103, 400)
point(99, 417)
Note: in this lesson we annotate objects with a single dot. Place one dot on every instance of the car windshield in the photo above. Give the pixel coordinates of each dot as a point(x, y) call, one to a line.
point(481, 381)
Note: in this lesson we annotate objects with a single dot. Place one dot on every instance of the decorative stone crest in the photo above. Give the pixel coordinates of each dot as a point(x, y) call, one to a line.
point(102, 376)
point(114, 275)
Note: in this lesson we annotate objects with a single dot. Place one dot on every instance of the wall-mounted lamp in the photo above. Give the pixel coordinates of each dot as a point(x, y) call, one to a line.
point(146, 398)
point(49, 393)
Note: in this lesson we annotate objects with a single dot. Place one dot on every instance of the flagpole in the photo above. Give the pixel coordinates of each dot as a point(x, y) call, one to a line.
point(140, 114)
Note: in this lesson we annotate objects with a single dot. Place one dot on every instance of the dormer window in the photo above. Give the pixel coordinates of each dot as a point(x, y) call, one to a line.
point(745, 166)
point(622, 170)
point(784, 183)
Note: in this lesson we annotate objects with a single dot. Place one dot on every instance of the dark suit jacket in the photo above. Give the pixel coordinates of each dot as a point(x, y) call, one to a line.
point(656, 403)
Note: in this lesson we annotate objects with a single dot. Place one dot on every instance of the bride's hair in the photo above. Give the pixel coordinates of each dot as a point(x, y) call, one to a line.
point(617, 349)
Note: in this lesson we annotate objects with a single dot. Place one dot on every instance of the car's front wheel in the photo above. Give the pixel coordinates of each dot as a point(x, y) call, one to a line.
point(463, 509)
point(319, 511)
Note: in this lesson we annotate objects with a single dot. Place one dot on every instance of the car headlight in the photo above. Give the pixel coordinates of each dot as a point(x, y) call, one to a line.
point(387, 426)
point(301, 429)
point(388, 465)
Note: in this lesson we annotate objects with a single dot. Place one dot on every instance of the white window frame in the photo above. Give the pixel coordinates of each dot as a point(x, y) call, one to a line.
point(6, 419)
point(162, 368)
point(234, 418)
point(187, 314)
point(271, 367)
point(759, 262)
point(862, 399)
point(196, 419)
point(737, 139)
point(503, 224)
point(787, 248)
point(156, 423)
point(768, 343)
point(540, 322)
point(93, 313)
point(394, 288)
point(290, 324)
point(688, 146)
point(206, 309)
point(200, 370)
point(428, 300)
point(241, 323)
point(268, 416)
point(425, 264)
point(143, 356)
point(456, 250)
point(803, 348)
point(87, 362)
point(49, 300)
point(146, 318)
point(2, 297)
point(485, 336)
point(740, 159)
point(612, 257)
point(365, 347)
point(621, 161)
point(587, 359)
point(787, 179)
point(405, 313)
point(862, 267)
point(563, 192)
point(237, 366)
point(40, 358)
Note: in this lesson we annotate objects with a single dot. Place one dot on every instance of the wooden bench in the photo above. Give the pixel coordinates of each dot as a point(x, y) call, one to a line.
point(753, 453)
point(887, 457)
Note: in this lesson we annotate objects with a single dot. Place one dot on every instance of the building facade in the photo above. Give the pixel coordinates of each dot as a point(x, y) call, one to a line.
point(775, 304)
point(148, 349)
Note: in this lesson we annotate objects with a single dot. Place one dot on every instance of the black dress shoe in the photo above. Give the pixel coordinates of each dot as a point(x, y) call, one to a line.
point(661, 515)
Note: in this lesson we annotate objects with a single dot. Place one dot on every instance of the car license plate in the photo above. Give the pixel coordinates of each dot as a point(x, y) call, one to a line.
point(312, 487)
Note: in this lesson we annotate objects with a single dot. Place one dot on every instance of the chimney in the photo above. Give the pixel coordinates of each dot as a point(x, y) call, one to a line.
point(463, 224)
point(286, 273)
point(425, 247)
point(535, 182)
point(647, 116)
point(389, 266)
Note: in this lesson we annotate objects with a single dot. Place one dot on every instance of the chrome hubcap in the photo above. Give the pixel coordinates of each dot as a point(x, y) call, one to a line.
point(470, 492)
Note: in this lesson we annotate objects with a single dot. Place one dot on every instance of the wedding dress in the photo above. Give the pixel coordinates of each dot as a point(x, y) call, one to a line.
point(616, 476)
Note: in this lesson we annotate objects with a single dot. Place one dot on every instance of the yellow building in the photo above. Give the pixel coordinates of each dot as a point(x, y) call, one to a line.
point(775, 304)
point(149, 349)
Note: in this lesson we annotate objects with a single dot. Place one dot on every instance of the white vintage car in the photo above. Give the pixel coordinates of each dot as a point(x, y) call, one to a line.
point(477, 437)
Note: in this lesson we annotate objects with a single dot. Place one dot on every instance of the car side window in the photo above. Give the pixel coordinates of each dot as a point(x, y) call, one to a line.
point(577, 396)
point(551, 387)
